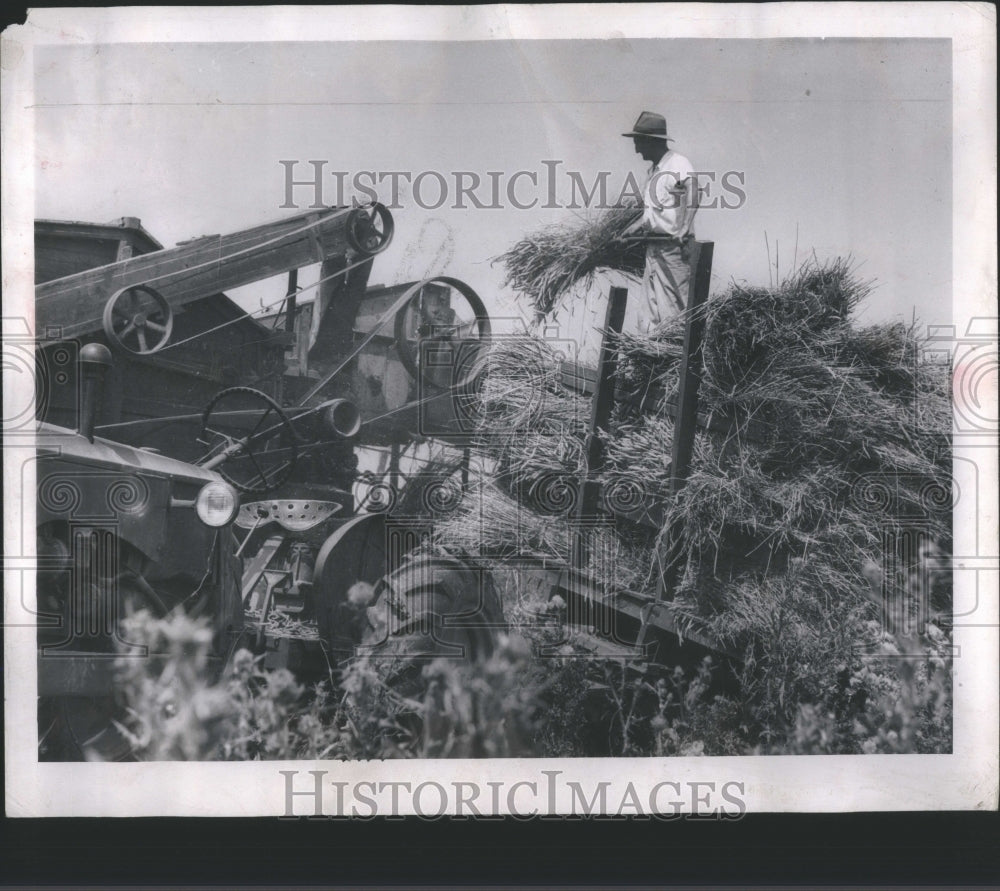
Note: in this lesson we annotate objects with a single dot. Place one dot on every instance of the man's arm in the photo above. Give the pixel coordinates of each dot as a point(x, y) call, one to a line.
point(633, 228)
point(672, 211)
point(687, 204)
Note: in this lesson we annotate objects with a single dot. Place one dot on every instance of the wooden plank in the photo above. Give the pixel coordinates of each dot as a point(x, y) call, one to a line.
point(90, 231)
point(687, 403)
point(580, 378)
point(600, 647)
point(655, 613)
point(337, 303)
point(124, 251)
point(68, 257)
point(691, 367)
point(600, 415)
point(190, 272)
point(291, 302)
point(128, 228)
point(604, 395)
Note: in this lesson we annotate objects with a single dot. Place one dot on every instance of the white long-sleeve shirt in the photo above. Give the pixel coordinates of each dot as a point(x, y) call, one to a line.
point(664, 213)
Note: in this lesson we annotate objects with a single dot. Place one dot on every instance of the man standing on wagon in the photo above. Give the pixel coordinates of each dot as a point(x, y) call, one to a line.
point(667, 221)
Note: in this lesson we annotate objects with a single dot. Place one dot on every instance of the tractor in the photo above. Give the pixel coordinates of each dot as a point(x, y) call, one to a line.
point(247, 511)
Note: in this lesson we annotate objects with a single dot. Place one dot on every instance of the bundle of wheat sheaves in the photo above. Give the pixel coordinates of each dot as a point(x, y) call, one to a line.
point(826, 452)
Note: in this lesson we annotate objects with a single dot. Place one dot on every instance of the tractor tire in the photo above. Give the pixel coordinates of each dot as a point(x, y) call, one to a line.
point(88, 727)
point(430, 608)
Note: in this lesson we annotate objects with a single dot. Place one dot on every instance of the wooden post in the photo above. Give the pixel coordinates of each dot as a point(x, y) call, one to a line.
point(600, 414)
point(686, 416)
point(291, 299)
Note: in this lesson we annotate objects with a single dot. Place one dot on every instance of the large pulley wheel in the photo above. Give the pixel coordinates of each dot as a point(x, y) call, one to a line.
point(253, 444)
point(138, 320)
point(369, 229)
point(440, 339)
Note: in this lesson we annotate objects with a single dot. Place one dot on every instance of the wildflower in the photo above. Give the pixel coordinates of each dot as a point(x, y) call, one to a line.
point(242, 664)
point(515, 647)
point(282, 687)
point(360, 594)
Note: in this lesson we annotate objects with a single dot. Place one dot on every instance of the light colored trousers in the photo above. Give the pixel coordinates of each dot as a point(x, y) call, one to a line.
point(664, 283)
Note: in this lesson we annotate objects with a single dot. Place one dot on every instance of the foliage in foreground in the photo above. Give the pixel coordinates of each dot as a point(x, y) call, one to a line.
point(516, 704)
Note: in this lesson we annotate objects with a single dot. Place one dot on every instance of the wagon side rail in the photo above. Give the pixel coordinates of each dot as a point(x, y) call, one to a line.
point(651, 611)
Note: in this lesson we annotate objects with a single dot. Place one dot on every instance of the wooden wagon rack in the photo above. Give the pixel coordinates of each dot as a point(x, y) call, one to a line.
point(644, 614)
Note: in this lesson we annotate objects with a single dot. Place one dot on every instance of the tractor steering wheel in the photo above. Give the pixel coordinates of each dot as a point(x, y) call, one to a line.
point(251, 440)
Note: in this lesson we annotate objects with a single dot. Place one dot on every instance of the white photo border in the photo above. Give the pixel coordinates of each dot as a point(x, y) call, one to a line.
point(966, 779)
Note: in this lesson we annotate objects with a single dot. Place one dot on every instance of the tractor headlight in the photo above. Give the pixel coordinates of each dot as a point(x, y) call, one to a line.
point(217, 504)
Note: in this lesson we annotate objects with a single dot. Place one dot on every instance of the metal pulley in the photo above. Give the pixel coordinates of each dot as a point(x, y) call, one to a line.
point(369, 229)
point(138, 320)
point(441, 340)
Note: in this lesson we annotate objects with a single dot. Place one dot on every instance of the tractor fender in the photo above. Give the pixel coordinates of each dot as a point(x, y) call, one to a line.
point(355, 552)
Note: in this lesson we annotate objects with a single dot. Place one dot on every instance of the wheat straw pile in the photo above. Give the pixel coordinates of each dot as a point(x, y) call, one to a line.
point(530, 424)
point(836, 436)
point(494, 524)
point(543, 266)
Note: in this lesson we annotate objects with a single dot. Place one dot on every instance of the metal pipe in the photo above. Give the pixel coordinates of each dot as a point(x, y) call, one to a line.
point(341, 417)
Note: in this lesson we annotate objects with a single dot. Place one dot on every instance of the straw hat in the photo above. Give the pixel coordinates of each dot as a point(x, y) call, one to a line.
point(652, 125)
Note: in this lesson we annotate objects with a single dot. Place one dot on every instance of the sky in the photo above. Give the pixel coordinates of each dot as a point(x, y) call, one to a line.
point(841, 146)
